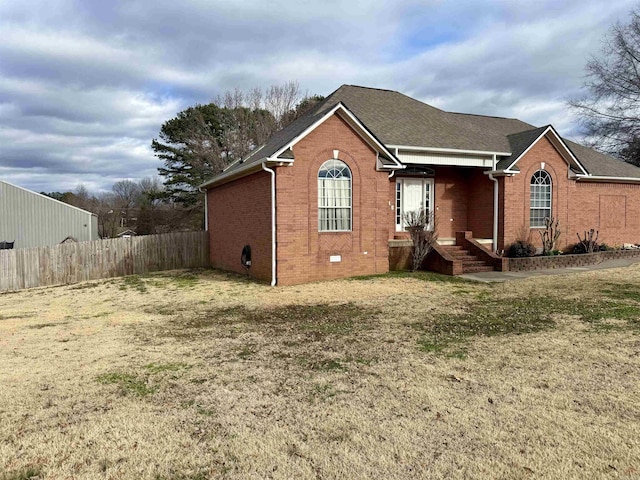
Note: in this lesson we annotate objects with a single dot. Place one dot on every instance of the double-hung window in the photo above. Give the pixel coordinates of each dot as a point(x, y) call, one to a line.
point(334, 197)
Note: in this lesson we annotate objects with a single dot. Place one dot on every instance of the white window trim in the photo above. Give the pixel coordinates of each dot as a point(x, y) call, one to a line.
point(533, 227)
point(425, 181)
point(350, 207)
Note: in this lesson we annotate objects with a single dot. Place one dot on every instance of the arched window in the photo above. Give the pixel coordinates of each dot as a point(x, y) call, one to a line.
point(540, 204)
point(334, 197)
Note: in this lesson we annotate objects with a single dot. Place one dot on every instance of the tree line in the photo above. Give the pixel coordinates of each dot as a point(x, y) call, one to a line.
point(196, 144)
point(142, 207)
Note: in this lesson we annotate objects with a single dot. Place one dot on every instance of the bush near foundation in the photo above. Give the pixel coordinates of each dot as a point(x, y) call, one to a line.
point(521, 248)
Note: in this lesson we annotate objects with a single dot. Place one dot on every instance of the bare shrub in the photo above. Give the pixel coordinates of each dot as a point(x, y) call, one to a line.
point(549, 235)
point(422, 227)
point(589, 242)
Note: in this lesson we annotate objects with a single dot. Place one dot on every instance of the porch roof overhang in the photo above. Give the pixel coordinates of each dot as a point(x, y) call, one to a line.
point(412, 155)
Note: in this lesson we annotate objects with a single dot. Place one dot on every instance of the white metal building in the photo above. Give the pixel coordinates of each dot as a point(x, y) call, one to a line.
point(33, 220)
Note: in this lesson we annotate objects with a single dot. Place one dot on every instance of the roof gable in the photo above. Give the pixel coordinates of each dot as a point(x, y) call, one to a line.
point(522, 142)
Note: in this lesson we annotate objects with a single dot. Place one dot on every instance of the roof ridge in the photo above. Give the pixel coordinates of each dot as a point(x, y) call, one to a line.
point(369, 88)
point(486, 116)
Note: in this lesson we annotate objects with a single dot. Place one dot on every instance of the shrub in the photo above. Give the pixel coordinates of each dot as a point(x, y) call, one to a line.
point(579, 248)
point(521, 248)
point(574, 249)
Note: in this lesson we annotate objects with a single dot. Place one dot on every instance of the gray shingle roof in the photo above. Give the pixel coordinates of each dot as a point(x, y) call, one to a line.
point(396, 119)
point(599, 164)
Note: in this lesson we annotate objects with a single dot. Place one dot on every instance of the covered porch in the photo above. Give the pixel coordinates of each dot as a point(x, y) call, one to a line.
point(461, 199)
point(456, 188)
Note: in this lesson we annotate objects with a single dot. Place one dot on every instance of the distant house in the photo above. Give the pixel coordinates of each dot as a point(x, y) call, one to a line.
point(325, 197)
point(127, 234)
point(30, 219)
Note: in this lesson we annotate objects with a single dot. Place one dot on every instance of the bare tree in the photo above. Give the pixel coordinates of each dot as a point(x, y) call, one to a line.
point(80, 198)
point(423, 229)
point(126, 195)
point(282, 99)
point(108, 215)
point(151, 188)
point(610, 112)
point(150, 206)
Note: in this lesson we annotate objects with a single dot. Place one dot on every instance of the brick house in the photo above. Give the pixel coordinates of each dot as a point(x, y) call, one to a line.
point(324, 197)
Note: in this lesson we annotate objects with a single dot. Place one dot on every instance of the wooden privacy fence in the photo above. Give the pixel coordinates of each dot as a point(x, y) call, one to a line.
point(77, 262)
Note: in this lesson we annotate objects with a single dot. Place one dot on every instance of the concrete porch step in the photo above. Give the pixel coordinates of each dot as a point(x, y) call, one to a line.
point(455, 250)
point(473, 263)
point(459, 253)
point(477, 269)
point(465, 258)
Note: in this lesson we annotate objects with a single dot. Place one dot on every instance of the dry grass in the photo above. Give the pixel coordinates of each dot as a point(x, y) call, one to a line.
point(196, 375)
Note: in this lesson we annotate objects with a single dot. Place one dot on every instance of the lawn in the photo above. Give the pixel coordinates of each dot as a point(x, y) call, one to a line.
point(200, 374)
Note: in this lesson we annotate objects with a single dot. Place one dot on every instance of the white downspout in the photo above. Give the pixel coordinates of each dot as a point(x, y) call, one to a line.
point(206, 210)
point(273, 223)
point(495, 205)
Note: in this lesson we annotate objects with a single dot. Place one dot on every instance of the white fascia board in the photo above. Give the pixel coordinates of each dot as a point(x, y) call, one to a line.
point(49, 198)
point(343, 109)
point(547, 130)
point(604, 178)
point(449, 150)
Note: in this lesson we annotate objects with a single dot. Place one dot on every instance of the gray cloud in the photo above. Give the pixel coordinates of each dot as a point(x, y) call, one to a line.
point(86, 85)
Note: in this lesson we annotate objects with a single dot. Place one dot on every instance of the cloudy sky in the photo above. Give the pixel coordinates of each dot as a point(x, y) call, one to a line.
point(85, 85)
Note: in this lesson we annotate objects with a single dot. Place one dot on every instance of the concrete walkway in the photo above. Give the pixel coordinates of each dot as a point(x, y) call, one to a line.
point(489, 277)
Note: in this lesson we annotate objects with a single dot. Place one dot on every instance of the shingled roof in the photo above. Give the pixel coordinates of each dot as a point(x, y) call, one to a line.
point(397, 120)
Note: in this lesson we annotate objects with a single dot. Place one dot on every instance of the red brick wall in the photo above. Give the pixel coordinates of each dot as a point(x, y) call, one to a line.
point(450, 200)
point(303, 252)
point(480, 204)
point(613, 209)
point(240, 214)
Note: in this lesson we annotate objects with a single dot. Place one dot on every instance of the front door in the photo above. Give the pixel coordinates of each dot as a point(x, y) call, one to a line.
point(412, 194)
